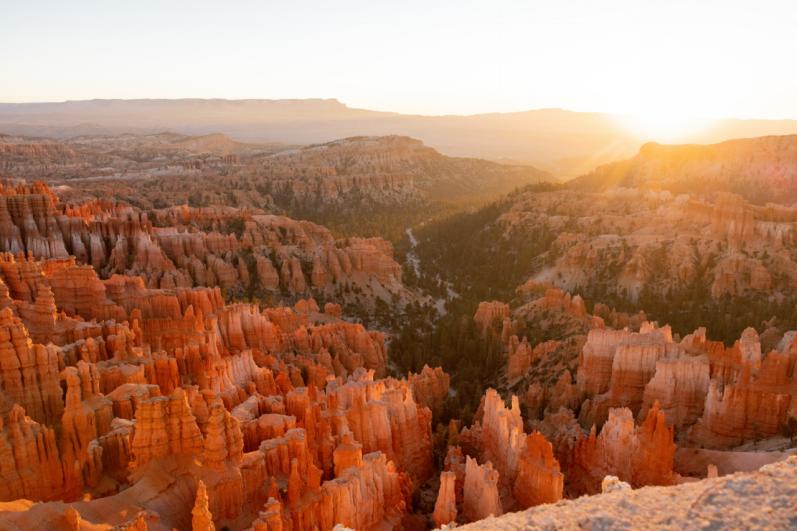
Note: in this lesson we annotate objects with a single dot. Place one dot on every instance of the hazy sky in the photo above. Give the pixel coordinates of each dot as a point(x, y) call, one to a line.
point(713, 58)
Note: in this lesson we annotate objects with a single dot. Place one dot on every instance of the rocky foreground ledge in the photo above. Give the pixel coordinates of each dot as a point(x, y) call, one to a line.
point(765, 499)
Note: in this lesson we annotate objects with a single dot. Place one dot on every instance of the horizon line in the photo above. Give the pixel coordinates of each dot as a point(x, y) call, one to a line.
point(360, 108)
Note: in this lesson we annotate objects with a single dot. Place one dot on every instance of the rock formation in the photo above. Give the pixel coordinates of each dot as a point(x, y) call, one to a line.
point(201, 519)
point(765, 500)
point(490, 316)
point(130, 388)
point(430, 387)
point(524, 463)
point(480, 491)
point(30, 459)
point(172, 390)
point(538, 478)
point(640, 455)
point(445, 508)
point(193, 251)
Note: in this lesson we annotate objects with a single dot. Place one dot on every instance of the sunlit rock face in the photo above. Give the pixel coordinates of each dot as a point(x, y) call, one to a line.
point(520, 467)
point(165, 407)
point(639, 394)
point(750, 397)
point(352, 175)
point(238, 250)
point(481, 497)
point(617, 366)
point(761, 168)
point(715, 396)
point(445, 508)
point(131, 387)
point(640, 455)
point(216, 396)
point(631, 241)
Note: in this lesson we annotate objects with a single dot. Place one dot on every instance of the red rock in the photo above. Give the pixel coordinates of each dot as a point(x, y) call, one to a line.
point(270, 518)
point(349, 453)
point(113, 238)
point(753, 407)
point(490, 315)
point(504, 443)
point(29, 373)
point(202, 519)
point(387, 420)
point(565, 393)
point(455, 462)
point(332, 309)
point(480, 492)
point(165, 426)
point(503, 438)
point(538, 479)
point(633, 359)
point(679, 386)
point(641, 455)
point(87, 415)
point(430, 387)
point(30, 464)
point(445, 508)
point(223, 439)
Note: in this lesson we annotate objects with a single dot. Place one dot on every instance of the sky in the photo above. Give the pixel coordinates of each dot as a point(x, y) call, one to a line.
point(660, 60)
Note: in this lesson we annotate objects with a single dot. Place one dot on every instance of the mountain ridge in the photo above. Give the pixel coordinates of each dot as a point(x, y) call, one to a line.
point(566, 143)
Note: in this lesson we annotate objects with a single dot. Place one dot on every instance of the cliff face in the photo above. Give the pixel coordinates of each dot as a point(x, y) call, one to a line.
point(383, 416)
point(538, 478)
point(155, 401)
point(617, 366)
point(30, 372)
point(165, 426)
point(445, 508)
point(31, 464)
point(748, 398)
point(403, 166)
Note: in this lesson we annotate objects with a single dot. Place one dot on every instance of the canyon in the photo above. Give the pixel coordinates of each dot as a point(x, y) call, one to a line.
point(150, 394)
point(527, 272)
point(154, 170)
point(168, 362)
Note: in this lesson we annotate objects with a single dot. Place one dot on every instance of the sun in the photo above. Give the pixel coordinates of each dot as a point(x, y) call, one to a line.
point(668, 125)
